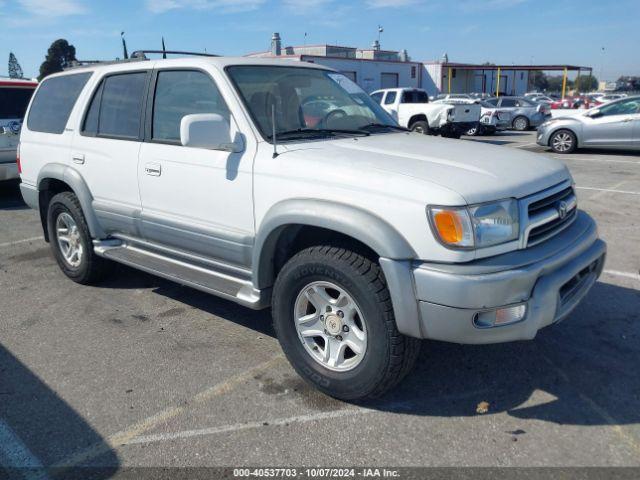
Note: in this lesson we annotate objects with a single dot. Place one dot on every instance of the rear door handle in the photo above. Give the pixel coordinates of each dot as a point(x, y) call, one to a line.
point(78, 158)
point(153, 169)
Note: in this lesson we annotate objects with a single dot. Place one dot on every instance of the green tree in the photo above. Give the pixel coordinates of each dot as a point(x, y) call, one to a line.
point(15, 70)
point(59, 56)
point(586, 83)
point(538, 80)
point(555, 83)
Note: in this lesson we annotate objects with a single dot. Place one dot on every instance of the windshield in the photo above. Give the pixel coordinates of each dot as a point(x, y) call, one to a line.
point(306, 101)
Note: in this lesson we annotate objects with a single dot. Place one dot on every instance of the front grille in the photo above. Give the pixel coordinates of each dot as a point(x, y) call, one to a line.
point(550, 215)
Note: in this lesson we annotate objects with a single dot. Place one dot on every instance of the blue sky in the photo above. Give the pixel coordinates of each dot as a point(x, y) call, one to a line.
point(500, 31)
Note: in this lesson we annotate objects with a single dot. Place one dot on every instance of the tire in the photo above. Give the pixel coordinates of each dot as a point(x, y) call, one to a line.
point(86, 267)
point(387, 355)
point(520, 123)
point(475, 131)
point(420, 126)
point(563, 141)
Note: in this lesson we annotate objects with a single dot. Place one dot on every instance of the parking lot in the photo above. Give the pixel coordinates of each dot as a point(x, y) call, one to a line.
point(144, 372)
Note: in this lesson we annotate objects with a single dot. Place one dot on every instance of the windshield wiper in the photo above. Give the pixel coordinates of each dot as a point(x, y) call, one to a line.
point(372, 126)
point(303, 132)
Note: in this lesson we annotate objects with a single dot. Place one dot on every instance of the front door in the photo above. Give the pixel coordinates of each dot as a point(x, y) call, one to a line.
point(613, 127)
point(194, 200)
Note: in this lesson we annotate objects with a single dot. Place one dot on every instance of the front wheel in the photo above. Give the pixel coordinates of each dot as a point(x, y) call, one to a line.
point(563, 141)
point(333, 317)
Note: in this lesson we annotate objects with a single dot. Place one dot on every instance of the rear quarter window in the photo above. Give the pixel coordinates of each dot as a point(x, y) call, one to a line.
point(54, 101)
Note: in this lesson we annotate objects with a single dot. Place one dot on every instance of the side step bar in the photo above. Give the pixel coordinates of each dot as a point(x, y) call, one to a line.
point(208, 280)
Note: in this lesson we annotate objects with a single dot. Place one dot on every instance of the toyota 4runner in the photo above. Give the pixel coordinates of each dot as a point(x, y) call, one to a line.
point(284, 185)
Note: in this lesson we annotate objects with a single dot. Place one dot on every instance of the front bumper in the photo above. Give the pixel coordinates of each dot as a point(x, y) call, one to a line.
point(550, 278)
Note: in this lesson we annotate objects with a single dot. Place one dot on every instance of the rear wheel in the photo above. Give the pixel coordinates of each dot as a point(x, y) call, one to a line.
point(563, 141)
point(521, 123)
point(333, 317)
point(420, 126)
point(71, 241)
point(475, 131)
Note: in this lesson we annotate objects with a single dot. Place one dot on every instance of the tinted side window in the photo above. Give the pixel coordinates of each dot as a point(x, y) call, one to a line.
point(625, 107)
point(181, 93)
point(508, 102)
point(121, 105)
point(390, 98)
point(14, 102)
point(415, 96)
point(54, 101)
point(492, 101)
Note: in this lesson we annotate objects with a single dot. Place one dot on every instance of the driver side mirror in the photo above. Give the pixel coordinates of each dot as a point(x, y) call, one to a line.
point(594, 113)
point(210, 131)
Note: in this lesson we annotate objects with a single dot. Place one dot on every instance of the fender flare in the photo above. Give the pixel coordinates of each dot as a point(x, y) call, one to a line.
point(73, 178)
point(348, 220)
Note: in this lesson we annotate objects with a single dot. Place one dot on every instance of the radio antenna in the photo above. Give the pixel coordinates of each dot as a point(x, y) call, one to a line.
point(273, 133)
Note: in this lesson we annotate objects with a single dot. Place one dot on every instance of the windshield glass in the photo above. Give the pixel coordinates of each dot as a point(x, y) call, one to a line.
point(14, 102)
point(305, 100)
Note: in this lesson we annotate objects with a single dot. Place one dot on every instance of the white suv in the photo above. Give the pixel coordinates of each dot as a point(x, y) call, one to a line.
point(284, 185)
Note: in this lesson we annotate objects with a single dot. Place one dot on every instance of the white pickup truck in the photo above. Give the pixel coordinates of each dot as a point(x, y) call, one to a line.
point(411, 109)
point(284, 185)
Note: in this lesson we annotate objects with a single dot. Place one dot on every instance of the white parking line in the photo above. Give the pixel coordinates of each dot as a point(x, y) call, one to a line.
point(312, 417)
point(17, 242)
point(526, 145)
point(596, 160)
point(15, 454)
point(616, 273)
point(609, 190)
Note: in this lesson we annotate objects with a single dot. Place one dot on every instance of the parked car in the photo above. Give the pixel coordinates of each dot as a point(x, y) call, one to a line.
point(525, 113)
point(613, 125)
point(14, 99)
point(610, 97)
point(491, 120)
point(362, 238)
point(412, 109)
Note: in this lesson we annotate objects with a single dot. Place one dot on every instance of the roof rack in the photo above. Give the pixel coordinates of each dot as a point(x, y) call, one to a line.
point(88, 63)
point(142, 53)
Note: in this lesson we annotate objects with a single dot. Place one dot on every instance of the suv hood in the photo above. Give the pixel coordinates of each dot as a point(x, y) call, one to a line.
point(478, 172)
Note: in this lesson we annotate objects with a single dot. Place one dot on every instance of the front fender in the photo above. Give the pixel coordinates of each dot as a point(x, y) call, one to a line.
point(72, 177)
point(354, 222)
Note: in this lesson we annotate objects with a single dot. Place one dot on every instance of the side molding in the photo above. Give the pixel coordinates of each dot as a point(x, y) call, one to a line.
point(72, 177)
point(362, 225)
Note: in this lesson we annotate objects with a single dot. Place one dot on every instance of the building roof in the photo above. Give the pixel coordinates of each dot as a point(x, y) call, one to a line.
point(475, 66)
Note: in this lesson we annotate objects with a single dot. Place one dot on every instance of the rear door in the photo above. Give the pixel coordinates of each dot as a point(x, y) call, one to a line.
point(194, 199)
point(107, 147)
point(614, 127)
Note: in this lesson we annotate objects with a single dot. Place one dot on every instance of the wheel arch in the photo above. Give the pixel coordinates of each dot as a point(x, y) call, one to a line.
point(55, 178)
point(418, 117)
point(286, 220)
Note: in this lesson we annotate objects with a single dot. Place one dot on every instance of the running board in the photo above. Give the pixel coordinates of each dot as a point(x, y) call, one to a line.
point(207, 280)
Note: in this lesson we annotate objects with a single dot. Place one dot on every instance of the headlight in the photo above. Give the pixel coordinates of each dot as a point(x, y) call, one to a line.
point(476, 226)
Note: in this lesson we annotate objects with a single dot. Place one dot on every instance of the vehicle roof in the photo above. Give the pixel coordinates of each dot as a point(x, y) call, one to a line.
point(17, 82)
point(194, 61)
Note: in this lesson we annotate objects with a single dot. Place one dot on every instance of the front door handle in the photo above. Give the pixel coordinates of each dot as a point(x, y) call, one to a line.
point(153, 169)
point(627, 120)
point(78, 158)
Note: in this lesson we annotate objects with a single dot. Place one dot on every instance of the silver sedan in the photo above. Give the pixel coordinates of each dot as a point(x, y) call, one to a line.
point(524, 113)
point(615, 125)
